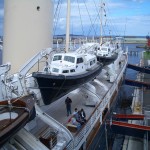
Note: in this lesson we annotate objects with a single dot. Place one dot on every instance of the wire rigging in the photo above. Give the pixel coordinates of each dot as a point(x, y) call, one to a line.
point(56, 15)
point(114, 29)
point(89, 17)
point(107, 26)
point(98, 16)
point(80, 18)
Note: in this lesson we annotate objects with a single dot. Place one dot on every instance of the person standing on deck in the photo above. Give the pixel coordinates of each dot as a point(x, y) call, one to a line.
point(68, 102)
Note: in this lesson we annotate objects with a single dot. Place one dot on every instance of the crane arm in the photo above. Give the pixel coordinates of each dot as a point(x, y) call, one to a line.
point(31, 62)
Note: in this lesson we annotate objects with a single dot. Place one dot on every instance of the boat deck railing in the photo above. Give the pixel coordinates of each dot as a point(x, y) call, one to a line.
point(81, 136)
point(51, 117)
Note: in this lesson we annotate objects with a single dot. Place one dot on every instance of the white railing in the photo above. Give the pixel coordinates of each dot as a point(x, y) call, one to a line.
point(81, 136)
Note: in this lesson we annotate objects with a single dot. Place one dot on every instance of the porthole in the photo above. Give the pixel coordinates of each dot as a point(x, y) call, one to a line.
point(38, 8)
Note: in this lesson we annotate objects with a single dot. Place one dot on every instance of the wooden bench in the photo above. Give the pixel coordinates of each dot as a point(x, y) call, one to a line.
point(49, 138)
point(71, 127)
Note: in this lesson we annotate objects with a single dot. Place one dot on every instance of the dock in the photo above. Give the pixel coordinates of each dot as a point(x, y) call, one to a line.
point(140, 106)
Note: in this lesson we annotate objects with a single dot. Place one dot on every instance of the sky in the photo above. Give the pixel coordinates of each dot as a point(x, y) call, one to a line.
point(123, 17)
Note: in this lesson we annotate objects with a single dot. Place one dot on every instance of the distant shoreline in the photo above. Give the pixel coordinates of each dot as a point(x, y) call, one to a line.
point(132, 40)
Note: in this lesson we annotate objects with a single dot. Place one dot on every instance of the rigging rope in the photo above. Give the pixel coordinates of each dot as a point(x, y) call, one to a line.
point(89, 17)
point(109, 21)
point(93, 20)
point(80, 18)
point(56, 15)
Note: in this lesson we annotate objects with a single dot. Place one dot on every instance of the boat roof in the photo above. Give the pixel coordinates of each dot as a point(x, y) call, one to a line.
point(89, 45)
point(75, 54)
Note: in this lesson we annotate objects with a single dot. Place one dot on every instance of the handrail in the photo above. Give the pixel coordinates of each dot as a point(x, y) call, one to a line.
point(81, 135)
point(55, 124)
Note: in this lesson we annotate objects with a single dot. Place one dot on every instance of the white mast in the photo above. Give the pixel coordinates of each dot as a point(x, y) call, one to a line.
point(67, 26)
point(101, 23)
point(57, 44)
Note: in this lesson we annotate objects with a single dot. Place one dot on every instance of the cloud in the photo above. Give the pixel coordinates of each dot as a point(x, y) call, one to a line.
point(135, 25)
point(116, 5)
point(140, 1)
point(86, 10)
point(1, 12)
point(1, 21)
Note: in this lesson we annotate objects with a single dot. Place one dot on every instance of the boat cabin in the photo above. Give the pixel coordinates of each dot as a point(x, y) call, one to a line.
point(72, 63)
point(105, 50)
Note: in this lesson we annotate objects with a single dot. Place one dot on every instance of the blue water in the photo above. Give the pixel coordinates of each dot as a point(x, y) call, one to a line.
point(132, 59)
point(124, 99)
point(125, 94)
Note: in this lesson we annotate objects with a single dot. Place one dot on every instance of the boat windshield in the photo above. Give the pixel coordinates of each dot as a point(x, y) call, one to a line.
point(57, 57)
point(55, 70)
point(104, 49)
point(69, 59)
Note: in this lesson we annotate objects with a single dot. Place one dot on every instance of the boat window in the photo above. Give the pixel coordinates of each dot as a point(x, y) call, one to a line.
point(65, 71)
point(72, 70)
point(69, 59)
point(92, 62)
point(79, 60)
point(57, 57)
point(104, 49)
point(55, 70)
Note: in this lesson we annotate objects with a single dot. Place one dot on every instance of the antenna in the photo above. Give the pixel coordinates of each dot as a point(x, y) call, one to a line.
point(67, 26)
point(101, 20)
point(101, 23)
point(125, 31)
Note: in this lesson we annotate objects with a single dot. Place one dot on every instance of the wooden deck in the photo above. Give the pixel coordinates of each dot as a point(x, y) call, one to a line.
point(57, 109)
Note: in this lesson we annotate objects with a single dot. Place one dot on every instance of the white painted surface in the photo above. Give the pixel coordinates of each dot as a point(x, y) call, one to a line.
point(27, 30)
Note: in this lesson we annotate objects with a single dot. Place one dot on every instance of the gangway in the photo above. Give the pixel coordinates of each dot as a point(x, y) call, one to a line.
point(130, 129)
point(137, 83)
point(128, 116)
point(138, 68)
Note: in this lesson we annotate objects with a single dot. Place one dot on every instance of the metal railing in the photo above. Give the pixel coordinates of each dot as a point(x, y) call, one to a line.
point(83, 133)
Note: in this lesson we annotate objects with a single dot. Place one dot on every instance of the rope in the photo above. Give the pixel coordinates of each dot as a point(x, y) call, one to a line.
point(91, 26)
point(11, 106)
point(109, 21)
point(60, 86)
point(80, 18)
point(89, 17)
point(56, 22)
point(17, 99)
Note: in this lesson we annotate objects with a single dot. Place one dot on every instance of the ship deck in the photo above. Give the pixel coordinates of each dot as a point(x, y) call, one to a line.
point(81, 97)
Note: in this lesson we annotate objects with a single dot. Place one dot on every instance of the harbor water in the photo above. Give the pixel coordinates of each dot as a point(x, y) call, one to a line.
point(106, 139)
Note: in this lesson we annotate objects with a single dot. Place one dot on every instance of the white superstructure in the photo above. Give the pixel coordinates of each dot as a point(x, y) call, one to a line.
point(72, 63)
point(27, 29)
